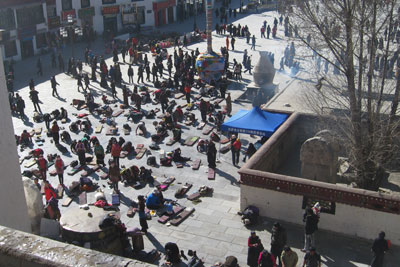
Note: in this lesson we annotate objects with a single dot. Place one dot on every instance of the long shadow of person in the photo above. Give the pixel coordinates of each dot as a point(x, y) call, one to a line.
point(155, 242)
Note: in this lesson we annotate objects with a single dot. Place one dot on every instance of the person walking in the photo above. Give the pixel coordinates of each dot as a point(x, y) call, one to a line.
point(99, 153)
point(262, 30)
point(227, 43)
point(55, 132)
point(54, 84)
point(140, 74)
point(79, 82)
point(235, 149)
point(278, 241)
point(187, 92)
point(59, 164)
point(203, 110)
point(253, 42)
point(116, 152)
point(289, 257)
point(43, 166)
point(87, 82)
point(233, 40)
point(228, 108)
point(268, 31)
point(254, 248)
point(311, 225)
point(80, 150)
point(142, 214)
point(115, 175)
point(312, 258)
point(211, 155)
point(34, 96)
point(379, 248)
point(20, 105)
point(130, 74)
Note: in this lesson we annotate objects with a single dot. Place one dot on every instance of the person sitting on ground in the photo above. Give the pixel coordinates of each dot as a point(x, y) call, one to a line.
point(202, 146)
point(168, 121)
point(153, 201)
point(145, 175)
point(25, 138)
point(172, 255)
point(177, 156)
point(177, 134)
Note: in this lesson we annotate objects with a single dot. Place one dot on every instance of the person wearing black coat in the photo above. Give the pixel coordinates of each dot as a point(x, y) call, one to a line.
point(211, 155)
point(379, 248)
point(311, 225)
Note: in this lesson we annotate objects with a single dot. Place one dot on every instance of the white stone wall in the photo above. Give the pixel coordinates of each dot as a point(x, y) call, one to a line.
point(13, 209)
point(349, 220)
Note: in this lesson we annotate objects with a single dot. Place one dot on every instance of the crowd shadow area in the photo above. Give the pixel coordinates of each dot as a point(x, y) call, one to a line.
point(336, 250)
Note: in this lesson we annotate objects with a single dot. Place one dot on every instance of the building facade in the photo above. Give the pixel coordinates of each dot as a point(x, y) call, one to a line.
point(33, 25)
point(25, 26)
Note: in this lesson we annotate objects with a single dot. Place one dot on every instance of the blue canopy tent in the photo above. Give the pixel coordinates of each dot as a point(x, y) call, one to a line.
point(255, 122)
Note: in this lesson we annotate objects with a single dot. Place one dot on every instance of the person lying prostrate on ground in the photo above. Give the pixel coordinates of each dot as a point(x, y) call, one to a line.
point(177, 156)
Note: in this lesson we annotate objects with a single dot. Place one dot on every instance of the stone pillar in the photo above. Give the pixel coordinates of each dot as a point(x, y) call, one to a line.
point(13, 208)
point(209, 14)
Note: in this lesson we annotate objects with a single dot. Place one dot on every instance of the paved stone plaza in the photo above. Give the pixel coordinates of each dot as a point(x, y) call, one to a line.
point(214, 230)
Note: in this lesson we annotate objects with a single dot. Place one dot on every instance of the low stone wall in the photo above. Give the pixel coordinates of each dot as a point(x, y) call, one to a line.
point(349, 220)
point(358, 212)
point(21, 249)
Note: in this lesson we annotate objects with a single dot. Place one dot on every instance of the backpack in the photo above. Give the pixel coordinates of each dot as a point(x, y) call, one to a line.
point(151, 161)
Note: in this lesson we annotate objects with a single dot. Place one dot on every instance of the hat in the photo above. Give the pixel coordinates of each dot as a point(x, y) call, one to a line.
point(313, 249)
point(252, 232)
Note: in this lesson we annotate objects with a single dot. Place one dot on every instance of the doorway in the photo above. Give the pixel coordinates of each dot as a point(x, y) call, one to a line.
point(110, 25)
point(170, 15)
point(27, 48)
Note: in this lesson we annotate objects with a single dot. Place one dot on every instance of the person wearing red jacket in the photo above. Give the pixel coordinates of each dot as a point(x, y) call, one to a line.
point(55, 132)
point(60, 169)
point(116, 152)
point(235, 148)
point(187, 92)
point(42, 163)
point(49, 191)
point(266, 259)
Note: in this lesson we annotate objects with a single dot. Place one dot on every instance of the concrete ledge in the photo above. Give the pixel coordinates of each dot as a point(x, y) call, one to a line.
point(22, 249)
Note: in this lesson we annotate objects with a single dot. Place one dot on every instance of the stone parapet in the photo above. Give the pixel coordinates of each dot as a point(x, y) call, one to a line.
point(22, 249)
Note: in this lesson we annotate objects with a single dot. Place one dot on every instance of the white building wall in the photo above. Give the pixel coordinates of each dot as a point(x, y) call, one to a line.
point(13, 209)
point(349, 220)
point(98, 18)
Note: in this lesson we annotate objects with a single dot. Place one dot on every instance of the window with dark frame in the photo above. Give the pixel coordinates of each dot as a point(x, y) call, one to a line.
point(41, 40)
point(105, 2)
point(85, 3)
point(10, 48)
point(326, 206)
point(66, 5)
